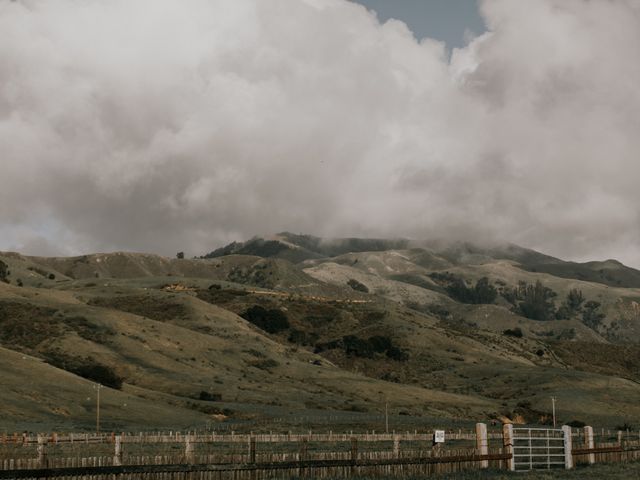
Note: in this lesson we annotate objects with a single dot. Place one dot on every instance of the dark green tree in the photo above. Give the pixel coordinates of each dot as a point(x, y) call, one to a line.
point(535, 301)
point(590, 315)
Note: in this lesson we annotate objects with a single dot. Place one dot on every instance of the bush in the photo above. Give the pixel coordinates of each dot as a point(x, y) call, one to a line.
point(4, 272)
point(271, 321)
point(101, 374)
point(516, 332)
point(356, 285)
point(355, 346)
point(209, 397)
point(86, 368)
point(395, 353)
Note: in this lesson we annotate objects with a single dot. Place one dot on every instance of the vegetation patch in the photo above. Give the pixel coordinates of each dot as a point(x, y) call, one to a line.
point(516, 332)
point(28, 325)
point(480, 293)
point(209, 397)
point(271, 321)
point(155, 308)
point(85, 367)
point(4, 272)
point(371, 347)
point(357, 286)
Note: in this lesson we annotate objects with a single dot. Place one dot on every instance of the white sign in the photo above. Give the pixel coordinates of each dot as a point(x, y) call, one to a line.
point(438, 436)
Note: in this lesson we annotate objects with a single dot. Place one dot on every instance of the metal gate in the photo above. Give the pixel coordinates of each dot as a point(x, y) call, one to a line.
point(538, 448)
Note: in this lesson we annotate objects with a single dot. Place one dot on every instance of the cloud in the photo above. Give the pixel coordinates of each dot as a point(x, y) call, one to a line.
point(166, 125)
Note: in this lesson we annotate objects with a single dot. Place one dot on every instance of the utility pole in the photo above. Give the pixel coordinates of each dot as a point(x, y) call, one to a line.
point(386, 415)
point(97, 387)
point(553, 406)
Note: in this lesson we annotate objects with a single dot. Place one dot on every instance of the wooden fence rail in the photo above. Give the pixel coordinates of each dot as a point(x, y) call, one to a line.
point(352, 464)
point(263, 455)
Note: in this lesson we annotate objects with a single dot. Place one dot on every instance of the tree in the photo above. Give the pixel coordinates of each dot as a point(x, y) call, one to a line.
point(590, 316)
point(180, 255)
point(571, 306)
point(483, 292)
point(535, 301)
point(575, 299)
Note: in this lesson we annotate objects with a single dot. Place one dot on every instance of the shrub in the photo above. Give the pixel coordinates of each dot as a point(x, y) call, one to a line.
point(4, 272)
point(101, 374)
point(355, 346)
point(395, 353)
point(271, 321)
point(209, 397)
point(87, 368)
point(358, 286)
point(516, 332)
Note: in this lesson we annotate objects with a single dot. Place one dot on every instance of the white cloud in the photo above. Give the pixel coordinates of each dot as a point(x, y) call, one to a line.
point(165, 125)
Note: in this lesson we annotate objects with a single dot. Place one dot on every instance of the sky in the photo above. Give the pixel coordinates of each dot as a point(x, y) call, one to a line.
point(451, 21)
point(181, 125)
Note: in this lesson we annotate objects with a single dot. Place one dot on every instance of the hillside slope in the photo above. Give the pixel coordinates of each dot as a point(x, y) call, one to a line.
point(449, 332)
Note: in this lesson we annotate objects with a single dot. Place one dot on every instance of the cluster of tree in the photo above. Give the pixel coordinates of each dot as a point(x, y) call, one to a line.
point(536, 302)
point(355, 346)
point(531, 301)
point(271, 321)
point(480, 293)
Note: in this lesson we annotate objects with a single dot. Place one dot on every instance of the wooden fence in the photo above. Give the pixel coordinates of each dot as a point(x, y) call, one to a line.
point(178, 455)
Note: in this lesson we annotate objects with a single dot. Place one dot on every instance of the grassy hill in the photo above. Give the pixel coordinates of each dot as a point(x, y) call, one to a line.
point(296, 325)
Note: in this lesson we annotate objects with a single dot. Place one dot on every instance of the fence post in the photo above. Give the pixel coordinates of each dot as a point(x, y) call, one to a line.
point(117, 454)
point(482, 443)
point(396, 446)
point(188, 448)
point(620, 437)
point(354, 455)
point(589, 443)
point(507, 442)
point(42, 451)
point(252, 449)
point(568, 456)
point(303, 448)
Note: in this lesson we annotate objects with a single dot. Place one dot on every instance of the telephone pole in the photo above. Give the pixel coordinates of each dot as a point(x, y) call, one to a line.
point(97, 388)
point(386, 415)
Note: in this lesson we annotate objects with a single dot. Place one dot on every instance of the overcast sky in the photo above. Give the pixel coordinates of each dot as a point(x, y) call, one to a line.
point(166, 125)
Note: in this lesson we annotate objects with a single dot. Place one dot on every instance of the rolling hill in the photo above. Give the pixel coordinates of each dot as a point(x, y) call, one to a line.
point(294, 326)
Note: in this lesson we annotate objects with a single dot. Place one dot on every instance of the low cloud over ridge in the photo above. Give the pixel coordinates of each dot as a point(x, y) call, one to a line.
point(165, 125)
